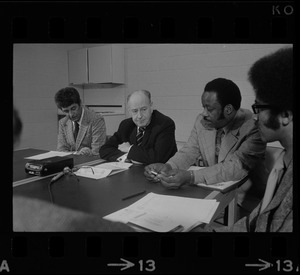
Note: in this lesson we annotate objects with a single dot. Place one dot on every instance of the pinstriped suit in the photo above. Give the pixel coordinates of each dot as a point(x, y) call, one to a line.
point(158, 143)
point(242, 150)
point(92, 133)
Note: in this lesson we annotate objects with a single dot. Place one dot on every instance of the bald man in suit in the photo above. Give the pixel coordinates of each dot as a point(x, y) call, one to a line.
point(157, 142)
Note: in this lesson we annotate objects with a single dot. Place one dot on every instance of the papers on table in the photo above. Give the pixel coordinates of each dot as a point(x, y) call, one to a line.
point(163, 213)
point(102, 170)
point(49, 155)
point(221, 186)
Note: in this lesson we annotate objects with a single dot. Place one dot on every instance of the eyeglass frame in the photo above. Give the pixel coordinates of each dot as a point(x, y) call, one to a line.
point(256, 107)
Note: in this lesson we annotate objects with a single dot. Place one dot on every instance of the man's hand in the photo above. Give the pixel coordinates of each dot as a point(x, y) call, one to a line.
point(175, 178)
point(84, 151)
point(152, 170)
point(124, 147)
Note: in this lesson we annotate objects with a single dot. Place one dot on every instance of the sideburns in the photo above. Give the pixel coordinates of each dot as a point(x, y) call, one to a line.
point(273, 122)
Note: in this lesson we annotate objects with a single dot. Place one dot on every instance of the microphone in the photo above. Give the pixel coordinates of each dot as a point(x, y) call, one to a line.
point(60, 174)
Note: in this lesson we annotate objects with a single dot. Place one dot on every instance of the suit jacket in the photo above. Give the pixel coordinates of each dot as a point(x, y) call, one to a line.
point(92, 133)
point(242, 150)
point(33, 215)
point(158, 143)
point(277, 216)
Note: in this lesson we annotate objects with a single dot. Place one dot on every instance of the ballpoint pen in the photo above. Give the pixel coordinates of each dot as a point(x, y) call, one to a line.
point(154, 173)
point(134, 195)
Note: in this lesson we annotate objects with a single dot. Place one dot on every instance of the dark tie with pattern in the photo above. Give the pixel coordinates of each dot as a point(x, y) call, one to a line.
point(76, 124)
point(219, 135)
point(140, 134)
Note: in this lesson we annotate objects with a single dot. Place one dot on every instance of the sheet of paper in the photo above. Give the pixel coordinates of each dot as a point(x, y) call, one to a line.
point(114, 165)
point(168, 210)
point(92, 172)
point(195, 168)
point(155, 222)
point(122, 158)
point(49, 155)
point(199, 210)
point(219, 186)
point(124, 215)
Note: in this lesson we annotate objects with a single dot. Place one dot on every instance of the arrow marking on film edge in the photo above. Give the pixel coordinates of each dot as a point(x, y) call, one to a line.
point(264, 265)
point(126, 264)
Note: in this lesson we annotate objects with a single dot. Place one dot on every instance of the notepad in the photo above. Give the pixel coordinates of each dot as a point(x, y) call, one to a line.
point(220, 186)
point(102, 170)
point(49, 154)
point(164, 213)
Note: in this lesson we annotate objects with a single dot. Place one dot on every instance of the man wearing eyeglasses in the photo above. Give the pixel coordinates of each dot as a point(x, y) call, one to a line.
point(224, 140)
point(272, 80)
point(147, 137)
point(81, 131)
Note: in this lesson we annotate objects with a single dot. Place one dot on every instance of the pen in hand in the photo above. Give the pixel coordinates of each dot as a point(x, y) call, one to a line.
point(154, 173)
point(133, 195)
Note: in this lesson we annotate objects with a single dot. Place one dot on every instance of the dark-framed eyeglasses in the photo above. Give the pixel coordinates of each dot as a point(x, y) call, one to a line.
point(256, 107)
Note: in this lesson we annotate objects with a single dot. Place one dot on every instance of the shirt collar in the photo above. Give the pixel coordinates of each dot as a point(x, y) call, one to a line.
point(228, 126)
point(146, 125)
point(80, 120)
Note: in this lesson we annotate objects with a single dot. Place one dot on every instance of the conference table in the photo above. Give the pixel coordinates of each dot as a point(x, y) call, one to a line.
point(105, 196)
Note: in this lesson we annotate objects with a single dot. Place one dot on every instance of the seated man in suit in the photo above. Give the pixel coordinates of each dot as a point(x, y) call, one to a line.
point(82, 130)
point(147, 137)
point(34, 215)
point(224, 140)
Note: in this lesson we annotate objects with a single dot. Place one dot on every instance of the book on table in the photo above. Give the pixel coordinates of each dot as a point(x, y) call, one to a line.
point(164, 213)
point(102, 170)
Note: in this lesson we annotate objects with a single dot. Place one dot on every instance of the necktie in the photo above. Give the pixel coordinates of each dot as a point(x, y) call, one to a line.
point(76, 124)
point(219, 135)
point(139, 136)
point(272, 181)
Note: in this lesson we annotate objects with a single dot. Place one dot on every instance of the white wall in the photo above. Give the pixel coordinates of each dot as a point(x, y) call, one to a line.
point(176, 74)
point(39, 71)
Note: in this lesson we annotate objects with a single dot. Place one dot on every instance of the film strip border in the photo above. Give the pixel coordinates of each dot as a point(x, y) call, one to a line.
point(239, 22)
point(217, 22)
point(176, 254)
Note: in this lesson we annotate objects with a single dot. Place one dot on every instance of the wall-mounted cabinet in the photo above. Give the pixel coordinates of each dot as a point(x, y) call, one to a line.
point(78, 66)
point(103, 64)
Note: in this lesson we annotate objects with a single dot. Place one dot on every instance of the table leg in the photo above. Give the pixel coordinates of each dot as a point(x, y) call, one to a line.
point(232, 210)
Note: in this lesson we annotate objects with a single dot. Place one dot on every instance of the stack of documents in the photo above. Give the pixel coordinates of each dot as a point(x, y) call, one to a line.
point(102, 170)
point(162, 213)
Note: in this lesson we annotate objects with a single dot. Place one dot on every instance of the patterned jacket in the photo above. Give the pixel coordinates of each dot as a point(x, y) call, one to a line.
point(241, 152)
point(92, 133)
